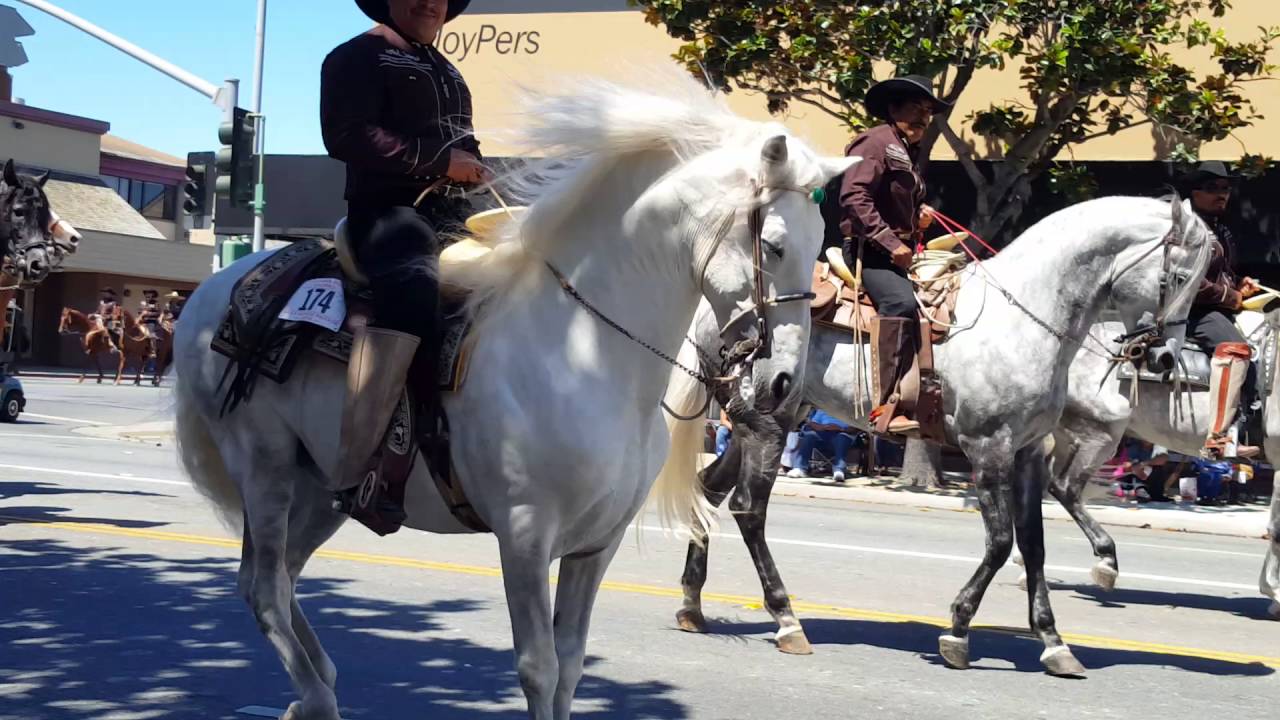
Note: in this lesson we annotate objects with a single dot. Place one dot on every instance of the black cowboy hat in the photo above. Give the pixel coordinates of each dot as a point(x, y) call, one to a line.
point(379, 10)
point(149, 291)
point(107, 291)
point(1207, 171)
point(906, 87)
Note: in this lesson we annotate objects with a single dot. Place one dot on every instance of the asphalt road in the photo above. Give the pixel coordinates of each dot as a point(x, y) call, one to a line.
point(117, 601)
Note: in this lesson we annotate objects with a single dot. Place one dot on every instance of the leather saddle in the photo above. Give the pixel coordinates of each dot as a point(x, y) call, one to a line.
point(260, 343)
point(838, 304)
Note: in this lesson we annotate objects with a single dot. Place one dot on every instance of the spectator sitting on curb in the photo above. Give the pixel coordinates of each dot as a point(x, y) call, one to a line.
point(824, 432)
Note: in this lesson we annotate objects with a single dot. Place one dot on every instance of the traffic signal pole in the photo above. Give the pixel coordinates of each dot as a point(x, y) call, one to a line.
point(259, 192)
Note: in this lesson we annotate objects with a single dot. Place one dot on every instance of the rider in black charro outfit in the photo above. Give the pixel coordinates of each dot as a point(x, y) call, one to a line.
point(398, 113)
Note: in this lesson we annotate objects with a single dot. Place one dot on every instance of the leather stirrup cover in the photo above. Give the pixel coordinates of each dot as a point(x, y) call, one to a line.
point(1228, 369)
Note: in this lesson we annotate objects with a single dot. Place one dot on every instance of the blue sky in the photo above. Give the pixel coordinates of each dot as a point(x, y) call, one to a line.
point(71, 72)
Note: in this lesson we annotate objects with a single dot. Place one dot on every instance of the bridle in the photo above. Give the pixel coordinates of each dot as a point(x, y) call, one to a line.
point(1151, 329)
point(13, 261)
point(745, 351)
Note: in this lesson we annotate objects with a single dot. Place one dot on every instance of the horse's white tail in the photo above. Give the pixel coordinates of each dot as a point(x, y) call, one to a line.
point(203, 462)
point(678, 491)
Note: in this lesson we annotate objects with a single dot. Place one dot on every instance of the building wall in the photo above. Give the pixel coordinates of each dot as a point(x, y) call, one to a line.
point(48, 146)
point(500, 45)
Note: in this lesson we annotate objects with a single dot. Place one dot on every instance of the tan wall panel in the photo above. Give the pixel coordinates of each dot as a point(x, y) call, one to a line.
point(496, 52)
point(48, 146)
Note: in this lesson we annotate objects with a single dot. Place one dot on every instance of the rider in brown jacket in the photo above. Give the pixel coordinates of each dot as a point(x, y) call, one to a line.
point(882, 214)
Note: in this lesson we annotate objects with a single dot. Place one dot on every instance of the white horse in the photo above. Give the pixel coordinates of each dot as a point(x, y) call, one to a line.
point(654, 200)
point(1098, 414)
point(1021, 318)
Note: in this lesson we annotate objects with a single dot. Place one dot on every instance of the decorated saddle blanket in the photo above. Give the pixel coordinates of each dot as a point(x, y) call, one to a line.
point(837, 304)
point(298, 301)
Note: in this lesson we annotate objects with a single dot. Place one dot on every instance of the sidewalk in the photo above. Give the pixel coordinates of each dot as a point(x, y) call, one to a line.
point(1237, 520)
point(159, 432)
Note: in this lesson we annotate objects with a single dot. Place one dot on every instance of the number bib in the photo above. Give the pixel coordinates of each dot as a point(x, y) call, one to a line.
point(318, 301)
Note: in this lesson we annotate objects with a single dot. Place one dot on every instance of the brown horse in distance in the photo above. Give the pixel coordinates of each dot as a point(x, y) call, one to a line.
point(95, 342)
point(135, 344)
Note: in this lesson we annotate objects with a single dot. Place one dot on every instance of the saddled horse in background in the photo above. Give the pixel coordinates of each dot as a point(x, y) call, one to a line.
point(648, 202)
point(1020, 319)
point(137, 344)
point(95, 341)
point(33, 239)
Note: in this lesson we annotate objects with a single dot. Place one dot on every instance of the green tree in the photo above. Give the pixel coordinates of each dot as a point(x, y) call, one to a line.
point(1087, 68)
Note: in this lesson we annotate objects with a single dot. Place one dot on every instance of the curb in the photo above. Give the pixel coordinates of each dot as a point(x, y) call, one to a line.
point(152, 433)
point(1247, 524)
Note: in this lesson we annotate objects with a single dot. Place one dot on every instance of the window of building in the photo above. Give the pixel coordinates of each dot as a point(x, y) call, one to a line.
point(153, 200)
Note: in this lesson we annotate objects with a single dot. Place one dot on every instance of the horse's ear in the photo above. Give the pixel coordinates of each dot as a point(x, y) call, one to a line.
point(42, 178)
point(1179, 216)
point(10, 173)
point(775, 150)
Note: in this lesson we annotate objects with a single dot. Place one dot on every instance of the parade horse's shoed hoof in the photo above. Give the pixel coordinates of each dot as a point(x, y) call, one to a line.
point(264, 334)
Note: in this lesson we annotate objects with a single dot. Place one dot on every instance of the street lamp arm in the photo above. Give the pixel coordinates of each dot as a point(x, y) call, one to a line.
point(219, 95)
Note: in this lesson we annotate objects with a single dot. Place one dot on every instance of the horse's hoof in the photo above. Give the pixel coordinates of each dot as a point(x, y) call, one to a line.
point(1274, 611)
point(955, 651)
point(691, 620)
point(1105, 576)
point(792, 641)
point(297, 712)
point(1059, 661)
point(1022, 581)
point(294, 712)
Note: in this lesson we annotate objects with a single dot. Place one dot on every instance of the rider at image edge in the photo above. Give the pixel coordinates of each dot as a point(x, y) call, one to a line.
point(398, 114)
point(1211, 323)
point(882, 217)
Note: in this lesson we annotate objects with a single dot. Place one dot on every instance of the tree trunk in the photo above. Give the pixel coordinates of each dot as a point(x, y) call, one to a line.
point(922, 464)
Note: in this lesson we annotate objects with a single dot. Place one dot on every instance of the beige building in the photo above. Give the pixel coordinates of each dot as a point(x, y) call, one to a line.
point(124, 200)
point(501, 44)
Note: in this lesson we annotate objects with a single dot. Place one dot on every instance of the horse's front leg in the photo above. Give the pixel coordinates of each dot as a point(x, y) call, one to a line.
point(1029, 477)
point(124, 357)
point(576, 590)
point(142, 363)
point(1068, 484)
point(526, 573)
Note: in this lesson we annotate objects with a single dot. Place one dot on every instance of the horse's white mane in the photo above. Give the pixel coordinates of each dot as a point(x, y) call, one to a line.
point(580, 134)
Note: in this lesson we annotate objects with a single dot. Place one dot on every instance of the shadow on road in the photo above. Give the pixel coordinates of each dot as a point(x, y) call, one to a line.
point(10, 514)
point(1254, 608)
point(992, 644)
point(85, 632)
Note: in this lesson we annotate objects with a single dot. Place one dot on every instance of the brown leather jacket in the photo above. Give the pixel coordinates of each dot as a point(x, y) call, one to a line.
point(1220, 288)
point(880, 197)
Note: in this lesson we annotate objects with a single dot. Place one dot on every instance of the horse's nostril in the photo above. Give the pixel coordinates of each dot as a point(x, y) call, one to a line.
point(781, 386)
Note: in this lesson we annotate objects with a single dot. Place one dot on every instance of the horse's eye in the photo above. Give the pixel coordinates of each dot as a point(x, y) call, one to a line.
point(20, 212)
point(774, 249)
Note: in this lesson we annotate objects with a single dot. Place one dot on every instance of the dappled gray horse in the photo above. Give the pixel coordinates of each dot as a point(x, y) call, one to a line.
point(1021, 318)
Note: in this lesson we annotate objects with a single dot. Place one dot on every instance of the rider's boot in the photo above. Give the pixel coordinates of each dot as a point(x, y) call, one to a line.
point(376, 374)
point(893, 353)
point(1228, 369)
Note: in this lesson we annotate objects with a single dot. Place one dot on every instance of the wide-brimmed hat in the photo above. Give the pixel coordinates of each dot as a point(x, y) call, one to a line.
point(107, 291)
point(380, 12)
point(149, 291)
point(173, 296)
point(906, 87)
point(1207, 171)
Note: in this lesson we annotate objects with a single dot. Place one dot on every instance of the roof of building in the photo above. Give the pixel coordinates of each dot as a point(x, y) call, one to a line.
point(97, 207)
point(115, 145)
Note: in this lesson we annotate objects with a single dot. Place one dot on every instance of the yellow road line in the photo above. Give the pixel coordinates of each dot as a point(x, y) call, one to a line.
point(800, 606)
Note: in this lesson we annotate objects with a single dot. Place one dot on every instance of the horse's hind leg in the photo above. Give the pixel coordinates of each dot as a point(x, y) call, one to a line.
point(750, 507)
point(1029, 474)
point(268, 585)
point(312, 523)
point(576, 589)
point(718, 481)
point(995, 497)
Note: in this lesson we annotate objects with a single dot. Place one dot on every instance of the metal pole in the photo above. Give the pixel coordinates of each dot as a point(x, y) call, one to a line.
point(259, 194)
point(190, 80)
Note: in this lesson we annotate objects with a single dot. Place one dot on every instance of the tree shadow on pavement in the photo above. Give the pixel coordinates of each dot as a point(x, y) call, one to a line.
point(23, 514)
point(90, 631)
point(10, 490)
point(1253, 608)
point(986, 644)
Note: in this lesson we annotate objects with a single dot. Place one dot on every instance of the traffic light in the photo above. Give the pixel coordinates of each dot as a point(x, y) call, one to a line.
point(196, 189)
point(235, 160)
